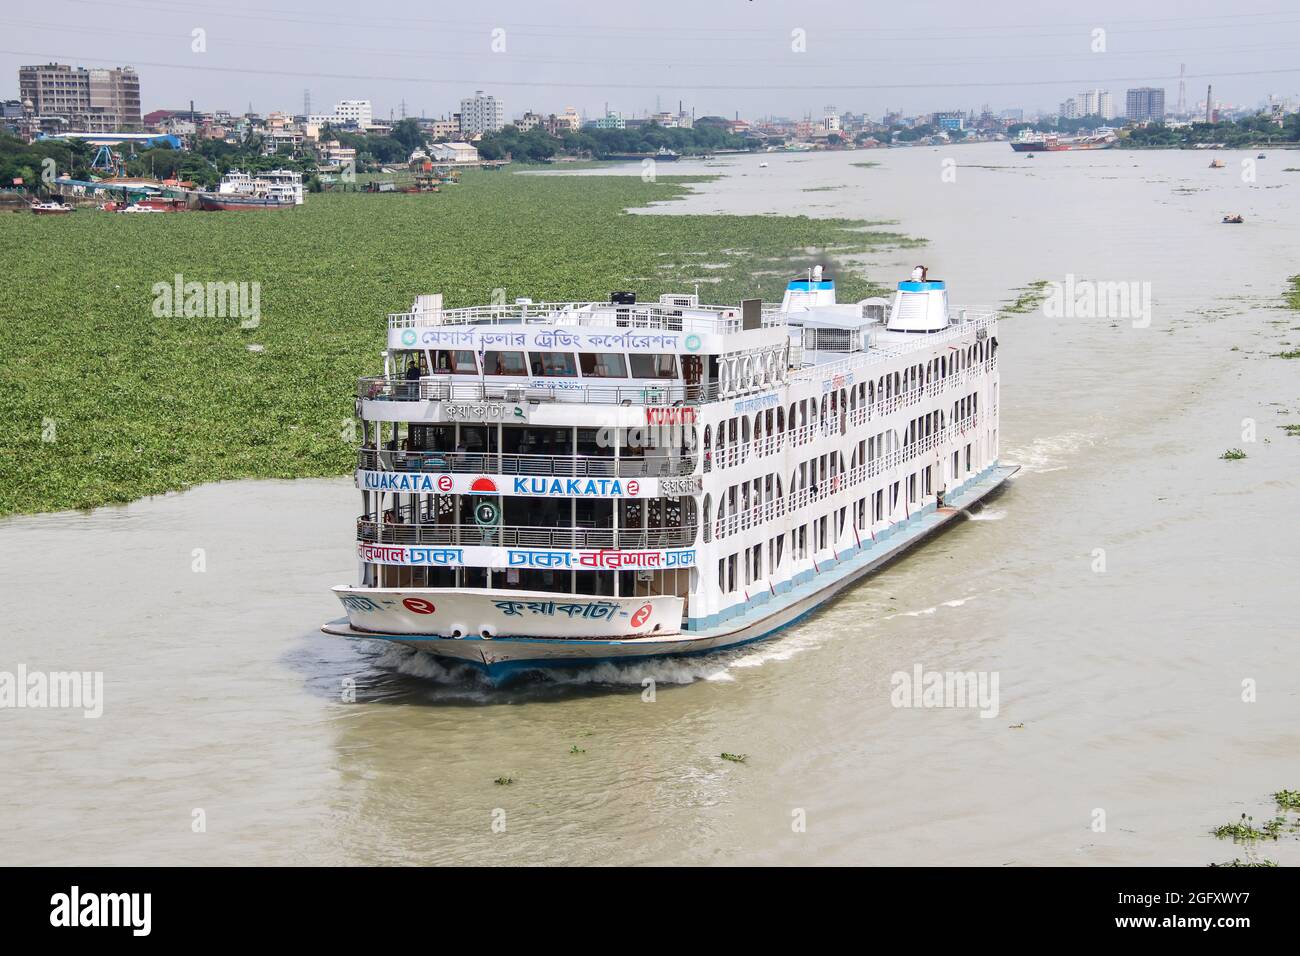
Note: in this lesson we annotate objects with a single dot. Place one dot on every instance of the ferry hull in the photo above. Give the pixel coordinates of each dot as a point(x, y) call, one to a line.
point(500, 613)
point(502, 659)
point(216, 203)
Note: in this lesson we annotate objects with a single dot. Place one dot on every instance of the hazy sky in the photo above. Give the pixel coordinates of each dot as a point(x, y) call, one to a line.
point(717, 56)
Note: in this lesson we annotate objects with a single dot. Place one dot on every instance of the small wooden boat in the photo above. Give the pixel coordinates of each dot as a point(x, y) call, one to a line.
point(1217, 164)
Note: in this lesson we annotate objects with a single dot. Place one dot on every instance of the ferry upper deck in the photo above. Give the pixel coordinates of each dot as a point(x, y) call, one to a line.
point(672, 352)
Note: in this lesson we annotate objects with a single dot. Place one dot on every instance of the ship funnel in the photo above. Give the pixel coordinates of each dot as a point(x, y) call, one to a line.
point(920, 304)
point(809, 292)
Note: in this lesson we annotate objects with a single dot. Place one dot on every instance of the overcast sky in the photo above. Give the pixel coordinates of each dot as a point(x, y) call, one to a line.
point(716, 56)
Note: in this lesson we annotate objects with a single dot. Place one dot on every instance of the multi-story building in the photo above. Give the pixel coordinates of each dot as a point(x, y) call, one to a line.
point(356, 113)
point(1095, 103)
point(529, 121)
point(608, 121)
point(447, 127)
point(93, 101)
point(336, 154)
point(282, 139)
point(568, 120)
point(481, 113)
point(950, 120)
point(1145, 104)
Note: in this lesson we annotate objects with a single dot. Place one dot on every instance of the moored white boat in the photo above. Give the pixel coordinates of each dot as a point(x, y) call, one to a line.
point(50, 208)
point(565, 483)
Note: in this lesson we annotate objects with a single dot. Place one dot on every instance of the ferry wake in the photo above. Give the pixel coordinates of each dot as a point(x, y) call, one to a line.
point(555, 484)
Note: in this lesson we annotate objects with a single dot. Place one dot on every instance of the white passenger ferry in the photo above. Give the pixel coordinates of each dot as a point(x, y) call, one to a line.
point(550, 484)
point(270, 189)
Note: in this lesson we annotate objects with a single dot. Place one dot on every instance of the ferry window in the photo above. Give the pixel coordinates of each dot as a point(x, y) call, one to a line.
point(455, 362)
point(553, 364)
point(504, 363)
point(603, 365)
point(654, 366)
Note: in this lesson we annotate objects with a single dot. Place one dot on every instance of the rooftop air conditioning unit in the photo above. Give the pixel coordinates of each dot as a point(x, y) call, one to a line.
point(513, 393)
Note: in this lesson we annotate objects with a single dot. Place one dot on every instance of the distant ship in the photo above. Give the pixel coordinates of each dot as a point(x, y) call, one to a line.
point(664, 155)
point(274, 189)
point(1056, 144)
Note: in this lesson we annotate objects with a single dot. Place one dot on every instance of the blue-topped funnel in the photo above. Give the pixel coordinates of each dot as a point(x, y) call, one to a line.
point(809, 292)
point(920, 304)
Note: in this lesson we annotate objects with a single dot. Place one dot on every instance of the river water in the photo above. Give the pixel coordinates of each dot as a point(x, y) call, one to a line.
point(1121, 734)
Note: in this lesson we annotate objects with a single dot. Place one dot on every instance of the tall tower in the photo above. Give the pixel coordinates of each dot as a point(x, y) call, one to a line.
point(306, 102)
point(1182, 89)
point(1209, 102)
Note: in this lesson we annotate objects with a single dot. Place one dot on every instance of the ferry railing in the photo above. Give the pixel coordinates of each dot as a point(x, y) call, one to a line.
point(379, 388)
point(641, 315)
point(521, 536)
point(793, 502)
point(493, 463)
point(965, 322)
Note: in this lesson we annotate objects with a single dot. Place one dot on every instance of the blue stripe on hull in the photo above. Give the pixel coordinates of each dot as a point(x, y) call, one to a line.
point(503, 672)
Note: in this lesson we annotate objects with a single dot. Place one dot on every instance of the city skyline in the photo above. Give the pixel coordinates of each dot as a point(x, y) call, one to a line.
point(776, 62)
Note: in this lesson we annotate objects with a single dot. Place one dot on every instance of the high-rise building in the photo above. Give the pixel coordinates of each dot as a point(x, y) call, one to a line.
point(93, 101)
point(950, 120)
point(355, 111)
point(346, 112)
point(1145, 104)
point(481, 113)
point(1095, 103)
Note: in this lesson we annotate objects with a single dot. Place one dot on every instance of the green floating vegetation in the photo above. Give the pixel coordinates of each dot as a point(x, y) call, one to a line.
point(1028, 298)
point(106, 402)
point(734, 758)
point(1292, 354)
point(820, 189)
point(575, 749)
point(504, 781)
point(1292, 295)
point(1244, 830)
point(866, 165)
point(1288, 799)
point(1233, 454)
point(1292, 429)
